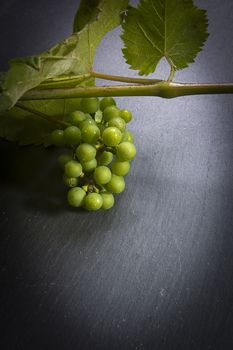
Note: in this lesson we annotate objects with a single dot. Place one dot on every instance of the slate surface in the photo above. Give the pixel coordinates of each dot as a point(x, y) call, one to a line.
point(155, 272)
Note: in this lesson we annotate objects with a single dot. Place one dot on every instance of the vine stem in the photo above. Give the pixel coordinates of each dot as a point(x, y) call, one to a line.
point(41, 115)
point(163, 89)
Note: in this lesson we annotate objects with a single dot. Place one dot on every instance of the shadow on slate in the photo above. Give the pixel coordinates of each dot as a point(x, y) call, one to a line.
point(138, 292)
point(34, 171)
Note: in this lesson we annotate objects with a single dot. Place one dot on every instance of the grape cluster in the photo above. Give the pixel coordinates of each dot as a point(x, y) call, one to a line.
point(100, 151)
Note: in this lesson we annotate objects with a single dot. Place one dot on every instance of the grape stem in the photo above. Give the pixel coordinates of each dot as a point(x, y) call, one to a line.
point(163, 89)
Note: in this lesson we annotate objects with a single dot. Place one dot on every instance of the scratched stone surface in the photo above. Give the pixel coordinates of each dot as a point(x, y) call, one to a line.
point(154, 273)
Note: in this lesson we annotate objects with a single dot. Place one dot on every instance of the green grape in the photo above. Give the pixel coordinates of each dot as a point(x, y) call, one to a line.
point(118, 123)
point(106, 102)
point(63, 159)
point(89, 166)
point(111, 112)
point(90, 105)
point(105, 158)
point(126, 115)
point(116, 184)
point(108, 200)
point(72, 135)
point(90, 133)
point(85, 152)
point(77, 117)
point(126, 151)
point(88, 121)
point(120, 168)
point(70, 181)
point(73, 169)
point(93, 201)
point(112, 136)
point(57, 138)
point(127, 136)
point(76, 197)
point(102, 175)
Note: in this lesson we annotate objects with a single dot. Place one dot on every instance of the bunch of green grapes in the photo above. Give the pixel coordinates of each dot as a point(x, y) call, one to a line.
point(100, 152)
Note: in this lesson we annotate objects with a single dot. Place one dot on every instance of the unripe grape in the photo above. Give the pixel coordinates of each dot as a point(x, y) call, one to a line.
point(85, 152)
point(70, 181)
point(127, 136)
point(126, 115)
point(63, 159)
point(116, 184)
point(106, 102)
point(93, 201)
point(88, 121)
point(90, 134)
point(111, 112)
point(90, 105)
point(126, 151)
point(108, 200)
point(102, 175)
point(73, 169)
point(72, 135)
point(57, 138)
point(77, 117)
point(111, 136)
point(89, 166)
point(120, 168)
point(105, 158)
point(118, 122)
point(76, 197)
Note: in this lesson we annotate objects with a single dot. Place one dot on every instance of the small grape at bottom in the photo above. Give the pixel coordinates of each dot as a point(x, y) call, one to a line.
point(93, 201)
point(116, 184)
point(76, 197)
point(108, 200)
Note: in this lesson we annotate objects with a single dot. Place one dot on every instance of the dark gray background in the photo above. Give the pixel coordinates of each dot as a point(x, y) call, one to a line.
point(156, 271)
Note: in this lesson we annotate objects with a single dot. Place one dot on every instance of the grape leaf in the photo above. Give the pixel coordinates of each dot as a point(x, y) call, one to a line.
point(74, 55)
point(174, 29)
point(26, 128)
point(88, 11)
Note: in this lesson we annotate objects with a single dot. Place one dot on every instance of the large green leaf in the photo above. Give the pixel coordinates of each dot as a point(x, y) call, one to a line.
point(88, 12)
point(27, 128)
point(75, 55)
point(174, 29)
